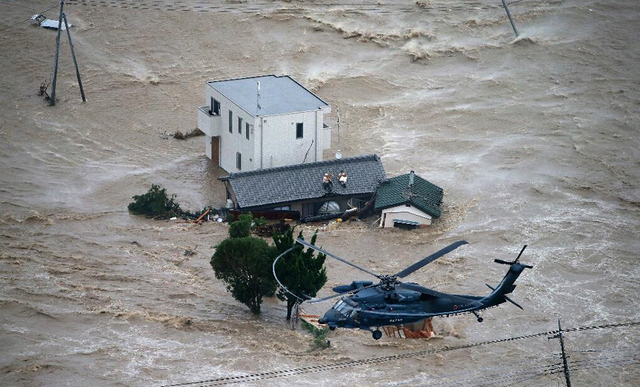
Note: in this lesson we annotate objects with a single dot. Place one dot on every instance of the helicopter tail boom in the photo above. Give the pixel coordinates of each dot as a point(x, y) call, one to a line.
point(506, 286)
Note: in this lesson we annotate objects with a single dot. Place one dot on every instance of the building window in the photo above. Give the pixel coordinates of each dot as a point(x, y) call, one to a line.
point(247, 129)
point(230, 121)
point(238, 161)
point(215, 107)
point(240, 125)
point(299, 130)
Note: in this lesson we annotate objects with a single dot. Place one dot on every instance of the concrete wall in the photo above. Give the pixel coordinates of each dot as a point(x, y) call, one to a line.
point(232, 142)
point(277, 143)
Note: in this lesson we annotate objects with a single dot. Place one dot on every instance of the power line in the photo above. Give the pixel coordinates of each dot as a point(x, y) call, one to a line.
point(29, 19)
point(375, 360)
point(361, 7)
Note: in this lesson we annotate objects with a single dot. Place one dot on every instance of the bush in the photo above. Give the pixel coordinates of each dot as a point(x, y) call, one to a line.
point(155, 203)
point(245, 224)
point(319, 335)
point(242, 227)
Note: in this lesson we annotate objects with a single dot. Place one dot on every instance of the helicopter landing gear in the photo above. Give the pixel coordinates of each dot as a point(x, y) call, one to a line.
point(377, 334)
point(480, 319)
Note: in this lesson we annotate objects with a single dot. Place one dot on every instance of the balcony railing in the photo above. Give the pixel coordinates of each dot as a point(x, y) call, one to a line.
point(209, 123)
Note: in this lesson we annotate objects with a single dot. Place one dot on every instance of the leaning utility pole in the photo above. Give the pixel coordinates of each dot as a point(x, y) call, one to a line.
point(515, 30)
point(52, 99)
point(564, 355)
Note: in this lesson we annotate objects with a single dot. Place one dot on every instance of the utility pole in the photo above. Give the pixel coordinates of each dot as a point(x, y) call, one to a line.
point(52, 99)
point(564, 355)
point(515, 30)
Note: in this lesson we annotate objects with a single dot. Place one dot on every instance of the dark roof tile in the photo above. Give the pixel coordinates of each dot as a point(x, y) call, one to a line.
point(423, 195)
point(304, 181)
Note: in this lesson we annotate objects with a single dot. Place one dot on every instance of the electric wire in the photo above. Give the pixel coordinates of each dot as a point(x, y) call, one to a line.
point(26, 20)
point(256, 7)
point(381, 359)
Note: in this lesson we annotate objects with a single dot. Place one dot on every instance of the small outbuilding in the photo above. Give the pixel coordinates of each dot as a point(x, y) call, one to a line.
point(408, 201)
point(311, 189)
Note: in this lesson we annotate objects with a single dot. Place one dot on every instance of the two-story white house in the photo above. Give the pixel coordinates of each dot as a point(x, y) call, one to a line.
point(263, 122)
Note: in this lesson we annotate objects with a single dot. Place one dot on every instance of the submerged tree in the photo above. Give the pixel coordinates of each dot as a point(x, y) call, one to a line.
point(155, 203)
point(244, 265)
point(301, 272)
point(244, 225)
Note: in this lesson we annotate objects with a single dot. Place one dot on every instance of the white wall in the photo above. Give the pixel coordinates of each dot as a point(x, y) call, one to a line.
point(231, 143)
point(272, 139)
point(279, 144)
point(405, 213)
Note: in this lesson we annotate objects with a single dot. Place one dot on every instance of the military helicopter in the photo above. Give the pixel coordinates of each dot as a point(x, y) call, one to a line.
point(369, 306)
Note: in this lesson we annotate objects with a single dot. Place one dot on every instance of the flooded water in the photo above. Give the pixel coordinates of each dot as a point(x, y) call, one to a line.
point(535, 141)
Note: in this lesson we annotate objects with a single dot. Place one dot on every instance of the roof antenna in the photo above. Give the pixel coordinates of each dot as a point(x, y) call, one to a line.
point(258, 100)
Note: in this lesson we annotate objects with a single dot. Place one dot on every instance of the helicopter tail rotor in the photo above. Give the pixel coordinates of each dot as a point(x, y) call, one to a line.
point(514, 261)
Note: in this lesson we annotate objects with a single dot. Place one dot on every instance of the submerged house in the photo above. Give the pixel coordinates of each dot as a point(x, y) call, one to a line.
point(301, 187)
point(263, 122)
point(408, 201)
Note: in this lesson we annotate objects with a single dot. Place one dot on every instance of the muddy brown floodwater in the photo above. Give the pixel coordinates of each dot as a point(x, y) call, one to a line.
point(534, 140)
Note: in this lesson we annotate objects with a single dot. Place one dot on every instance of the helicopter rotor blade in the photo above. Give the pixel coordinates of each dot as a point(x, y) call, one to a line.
point(309, 245)
point(435, 293)
point(513, 302)
point(429, 259)
point(521, 251)
point(323, 299)
point(345, 294)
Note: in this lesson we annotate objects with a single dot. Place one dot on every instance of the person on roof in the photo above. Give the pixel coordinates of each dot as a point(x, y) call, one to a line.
point(342, 178)
point(326, 182)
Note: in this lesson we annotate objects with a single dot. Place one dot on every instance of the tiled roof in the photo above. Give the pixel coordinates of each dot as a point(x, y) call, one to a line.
point(423, 195)
point(304, 181)
point(278, 95)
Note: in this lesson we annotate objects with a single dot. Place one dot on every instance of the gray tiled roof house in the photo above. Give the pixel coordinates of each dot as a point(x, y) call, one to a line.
point(275, 187)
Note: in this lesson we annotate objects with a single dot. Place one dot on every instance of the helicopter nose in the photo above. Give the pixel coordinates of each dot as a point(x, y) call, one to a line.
point(331, 318)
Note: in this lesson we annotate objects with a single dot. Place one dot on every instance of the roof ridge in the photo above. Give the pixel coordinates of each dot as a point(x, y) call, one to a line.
point(250, 77)
point(300, 166)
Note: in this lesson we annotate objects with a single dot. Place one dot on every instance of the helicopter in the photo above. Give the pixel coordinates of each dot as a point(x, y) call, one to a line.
point(369, 306)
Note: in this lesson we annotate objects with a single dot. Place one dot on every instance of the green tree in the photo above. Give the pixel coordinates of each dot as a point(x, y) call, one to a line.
point(244, 265)
point(301, 272)
point(244, 226)
point(155, 203)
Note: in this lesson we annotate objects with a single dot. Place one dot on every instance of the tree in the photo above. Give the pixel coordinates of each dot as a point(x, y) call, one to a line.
point(155, 203)
point(244, 225)
point(244, 265)
point(302, 273)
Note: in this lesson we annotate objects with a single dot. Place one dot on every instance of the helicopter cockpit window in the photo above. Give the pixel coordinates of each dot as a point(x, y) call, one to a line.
point(341, 307)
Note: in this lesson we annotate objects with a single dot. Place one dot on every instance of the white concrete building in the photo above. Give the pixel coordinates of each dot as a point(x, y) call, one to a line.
point(263, 122)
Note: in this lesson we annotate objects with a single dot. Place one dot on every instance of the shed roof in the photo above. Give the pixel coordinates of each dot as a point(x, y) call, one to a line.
point(304, 181)
point(422, 194)
point(278, 95)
